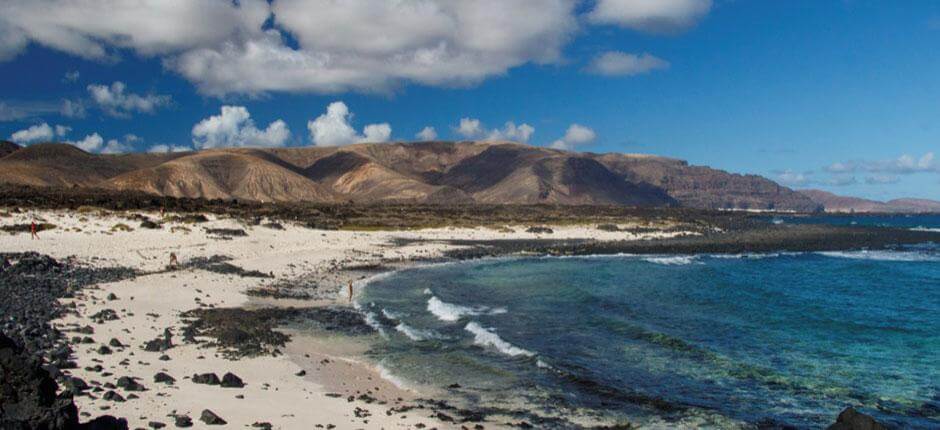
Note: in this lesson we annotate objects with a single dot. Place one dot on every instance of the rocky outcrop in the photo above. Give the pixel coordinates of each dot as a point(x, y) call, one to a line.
point(850, 419)
point(28, 399)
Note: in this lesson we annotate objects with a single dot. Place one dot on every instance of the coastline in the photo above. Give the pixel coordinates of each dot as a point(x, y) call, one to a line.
point(308, 380)
point(153, 301)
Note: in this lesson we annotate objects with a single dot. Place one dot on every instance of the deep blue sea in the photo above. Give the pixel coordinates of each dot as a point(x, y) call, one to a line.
point(675, 340)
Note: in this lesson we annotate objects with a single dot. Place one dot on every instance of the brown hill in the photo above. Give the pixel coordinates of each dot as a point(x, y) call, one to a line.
point(704, 187)
point(836, 203)
point(7, 148)
point(424, 172)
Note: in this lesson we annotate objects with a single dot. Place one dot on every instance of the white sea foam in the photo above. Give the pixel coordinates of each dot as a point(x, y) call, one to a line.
point(485, 337)
point(450, 312)
point(388, 376)
point(672, 260)
point(883, 255)
point(921, 228)
point(416, 334)
point(374, 323)
point(391, 314)
point(427, 291)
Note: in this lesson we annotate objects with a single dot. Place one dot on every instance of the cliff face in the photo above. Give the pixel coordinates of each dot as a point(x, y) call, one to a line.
point(424, 172)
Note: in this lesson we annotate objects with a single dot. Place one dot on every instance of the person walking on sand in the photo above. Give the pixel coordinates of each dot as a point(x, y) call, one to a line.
point(33, 230)
point(350, 291)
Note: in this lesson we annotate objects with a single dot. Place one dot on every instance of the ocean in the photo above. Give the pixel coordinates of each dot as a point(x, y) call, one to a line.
point(722, 341)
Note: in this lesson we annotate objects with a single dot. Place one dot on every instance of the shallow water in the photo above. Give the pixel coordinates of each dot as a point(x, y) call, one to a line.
point(706, 340)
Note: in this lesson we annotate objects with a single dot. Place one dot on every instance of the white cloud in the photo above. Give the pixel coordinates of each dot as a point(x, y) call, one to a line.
point(72, 109)
point(905, 164)
point(427, 134)
point(115, 102)
point(617, 63)
point(882, 179)
point(94, 28)
point(472, 128)
point(333, 128)
point(161, 148)
point(37, 133)
point(91, 143)
point(326, 46)
point(651, 16)
point(575, 135)
point(234, 127)
point(361, 45)
point(377, 133)
point(71, 76)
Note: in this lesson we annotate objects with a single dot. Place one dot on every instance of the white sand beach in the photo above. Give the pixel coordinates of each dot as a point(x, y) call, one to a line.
point(274, 393)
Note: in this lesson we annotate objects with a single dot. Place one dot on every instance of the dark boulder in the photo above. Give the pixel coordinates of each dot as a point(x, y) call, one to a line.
point(183, 421)
point(850, 419)
point(230, 380)
point(206, 378)
point(211, 418)
point(28, 397)
point(163, 378)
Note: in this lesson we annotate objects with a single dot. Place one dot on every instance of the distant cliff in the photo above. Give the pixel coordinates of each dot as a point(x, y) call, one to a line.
point(836, 203)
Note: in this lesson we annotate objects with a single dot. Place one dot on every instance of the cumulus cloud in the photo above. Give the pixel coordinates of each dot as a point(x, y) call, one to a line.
point(427, 134)
point(97, 144)
point(233, 127)
point(148, 27)
point(114, 101)
point(166, 148)
point(362, 45)
point(472, 128)
point(333, 128)
point(575, 136)
point(903, 165)
point(39, 133)
point(617, 63)
point(91, 143)
point(651, 16)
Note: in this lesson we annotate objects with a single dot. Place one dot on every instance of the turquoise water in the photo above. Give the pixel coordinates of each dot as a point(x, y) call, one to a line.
point(675, 340)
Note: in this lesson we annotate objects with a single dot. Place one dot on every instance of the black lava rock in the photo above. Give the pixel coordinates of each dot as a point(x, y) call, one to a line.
point(230, 380)
point(211, 418)
point(850, 419)
point(206, 378)
point(183, 421)
point(163, 378)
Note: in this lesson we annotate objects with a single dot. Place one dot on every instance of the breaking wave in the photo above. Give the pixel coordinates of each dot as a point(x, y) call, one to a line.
point(911, 256)
point(485, 337)
point(450, 312)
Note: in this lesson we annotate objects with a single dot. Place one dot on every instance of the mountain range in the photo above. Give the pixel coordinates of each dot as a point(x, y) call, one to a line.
point(421, 172)
point(842, 204)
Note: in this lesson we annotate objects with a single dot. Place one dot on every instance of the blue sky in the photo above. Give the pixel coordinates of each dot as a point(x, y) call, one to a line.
point(838, 95)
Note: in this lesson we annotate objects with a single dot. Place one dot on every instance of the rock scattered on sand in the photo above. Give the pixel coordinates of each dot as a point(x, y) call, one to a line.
point(112, 396)
point(183, 421)
point(156, 425)
point(160, 344)
point(129, 384)
point(163, 378)
point(210, 418)
point(206, 378)
point(230, 380)
point(850, 419)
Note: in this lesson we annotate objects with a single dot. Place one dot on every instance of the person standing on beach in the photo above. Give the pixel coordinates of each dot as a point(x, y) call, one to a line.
point(173, 263)
point(350, 291)
point(33, 230)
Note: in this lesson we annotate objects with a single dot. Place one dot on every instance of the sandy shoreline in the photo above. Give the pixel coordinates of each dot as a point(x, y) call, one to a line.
point(274, 393)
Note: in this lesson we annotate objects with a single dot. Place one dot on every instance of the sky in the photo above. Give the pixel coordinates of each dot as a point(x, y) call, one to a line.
point(840, 95)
